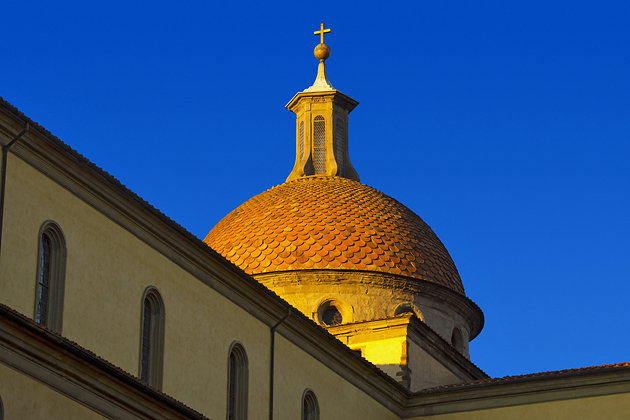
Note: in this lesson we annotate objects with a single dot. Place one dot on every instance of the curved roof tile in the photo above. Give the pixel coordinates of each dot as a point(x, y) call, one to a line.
point(322, 222)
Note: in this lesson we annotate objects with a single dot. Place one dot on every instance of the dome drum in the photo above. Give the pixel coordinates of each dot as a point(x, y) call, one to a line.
point(320, 237)
point(367, 296)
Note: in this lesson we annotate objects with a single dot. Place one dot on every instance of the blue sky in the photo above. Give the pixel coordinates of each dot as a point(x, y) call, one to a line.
point(504, 126)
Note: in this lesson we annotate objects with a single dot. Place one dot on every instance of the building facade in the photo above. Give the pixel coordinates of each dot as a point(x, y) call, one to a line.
point(319, 298)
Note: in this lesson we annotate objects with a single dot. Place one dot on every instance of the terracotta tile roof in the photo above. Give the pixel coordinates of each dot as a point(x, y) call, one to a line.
point(323, 222)
point(526, 377)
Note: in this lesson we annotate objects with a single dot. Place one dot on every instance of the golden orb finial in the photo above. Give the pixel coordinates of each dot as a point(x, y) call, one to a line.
point(322, 51)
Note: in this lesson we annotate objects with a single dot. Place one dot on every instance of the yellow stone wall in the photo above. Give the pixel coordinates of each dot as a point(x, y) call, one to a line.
point(390, 355)
point(20, 395)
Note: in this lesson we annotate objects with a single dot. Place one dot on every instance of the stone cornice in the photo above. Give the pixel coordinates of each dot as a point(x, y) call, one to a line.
point(335, 96)
point(529, 389)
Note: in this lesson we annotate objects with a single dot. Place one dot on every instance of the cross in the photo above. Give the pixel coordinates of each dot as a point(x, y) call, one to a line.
point(321, 32)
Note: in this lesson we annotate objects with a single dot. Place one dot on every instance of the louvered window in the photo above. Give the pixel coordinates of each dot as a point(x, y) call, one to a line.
point(319, 145)
point(301, 140)
point(43, 280)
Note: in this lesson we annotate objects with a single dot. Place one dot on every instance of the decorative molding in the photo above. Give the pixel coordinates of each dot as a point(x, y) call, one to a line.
point(335, 96)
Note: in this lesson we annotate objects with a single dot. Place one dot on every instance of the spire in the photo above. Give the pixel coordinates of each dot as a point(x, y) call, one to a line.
point(322, 124)
point(322, 52)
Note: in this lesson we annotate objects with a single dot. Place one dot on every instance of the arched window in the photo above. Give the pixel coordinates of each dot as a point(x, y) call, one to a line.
point(319, 145)
point(1, 410)
point(310, 408)
point(152, 338)
point(456, 340)
point(301, 140)
point(237, 383)
point(51, 268)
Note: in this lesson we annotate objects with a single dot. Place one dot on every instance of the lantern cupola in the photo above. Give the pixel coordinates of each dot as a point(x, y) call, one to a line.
point(322, 124)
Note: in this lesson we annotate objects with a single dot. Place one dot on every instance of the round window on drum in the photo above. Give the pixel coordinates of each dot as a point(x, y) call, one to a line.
point(329, 313)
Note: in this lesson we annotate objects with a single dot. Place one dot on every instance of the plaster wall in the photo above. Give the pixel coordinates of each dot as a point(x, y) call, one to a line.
point(337, 398)
point(609, 407)
point(107, 271)
point(20, 394)
point(425, 371)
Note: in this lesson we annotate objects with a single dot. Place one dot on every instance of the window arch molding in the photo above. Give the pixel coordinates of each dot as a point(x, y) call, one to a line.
point(50, 276)
point(409, 308)
point(237, 383)
point(310, 406)
point(152, 320)
point(332, 309)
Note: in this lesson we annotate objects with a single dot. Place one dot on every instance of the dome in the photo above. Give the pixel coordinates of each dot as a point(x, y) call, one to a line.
point(332, 223)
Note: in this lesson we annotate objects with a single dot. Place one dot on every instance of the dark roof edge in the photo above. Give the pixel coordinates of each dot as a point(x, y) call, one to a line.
point(108, 368)
point(563, 373)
